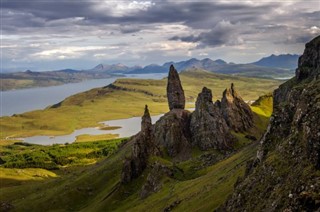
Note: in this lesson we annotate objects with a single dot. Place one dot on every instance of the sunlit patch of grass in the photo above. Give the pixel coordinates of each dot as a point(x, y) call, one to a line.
point(23, 155)
point(264, 105)
point(11, 177)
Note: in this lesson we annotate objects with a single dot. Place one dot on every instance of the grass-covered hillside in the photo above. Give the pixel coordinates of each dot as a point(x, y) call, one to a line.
point(86, 176)
point(124, 98)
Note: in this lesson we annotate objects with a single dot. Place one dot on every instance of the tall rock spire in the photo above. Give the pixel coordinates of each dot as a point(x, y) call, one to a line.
point(175, 93)
point(146, 122)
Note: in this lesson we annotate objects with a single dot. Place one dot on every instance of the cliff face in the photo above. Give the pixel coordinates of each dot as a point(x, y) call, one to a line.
point(286, 174)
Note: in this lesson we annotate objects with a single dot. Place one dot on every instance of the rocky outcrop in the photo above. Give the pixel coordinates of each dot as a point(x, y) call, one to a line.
point(208, 127)
point(309, 64)
point(177, 131)
point(143, 146)
point(175, 93)
point(287, 177)
point(172, 134)
point(235, 111)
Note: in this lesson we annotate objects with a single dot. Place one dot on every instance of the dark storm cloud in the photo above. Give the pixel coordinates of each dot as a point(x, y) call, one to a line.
point(224, 33)
point(50, 10)
point(46, 27)
point(37, 13)
point(85, 16)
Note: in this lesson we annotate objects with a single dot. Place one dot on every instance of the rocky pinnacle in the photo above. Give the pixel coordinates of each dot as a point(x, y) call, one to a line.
point(146, 120)
point(175, 93)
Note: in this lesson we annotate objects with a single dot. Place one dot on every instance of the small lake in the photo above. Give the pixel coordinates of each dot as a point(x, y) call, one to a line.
point(129, 127)
point(20, 101)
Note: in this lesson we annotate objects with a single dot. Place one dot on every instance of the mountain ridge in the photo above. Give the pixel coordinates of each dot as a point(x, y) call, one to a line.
point(278, 62)
point(27, 79)
point(286, 61)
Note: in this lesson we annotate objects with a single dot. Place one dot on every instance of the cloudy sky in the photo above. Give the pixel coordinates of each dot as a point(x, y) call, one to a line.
point(55, 34)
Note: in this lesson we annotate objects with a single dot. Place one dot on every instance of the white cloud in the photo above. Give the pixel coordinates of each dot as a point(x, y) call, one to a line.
point(314, 30)
point(120, 8)
point(66, 52)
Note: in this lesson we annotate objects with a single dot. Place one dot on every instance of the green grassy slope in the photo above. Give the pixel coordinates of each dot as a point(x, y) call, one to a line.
point(195, 186)
point(125, 99)
point(96, 187)
point(69, 188)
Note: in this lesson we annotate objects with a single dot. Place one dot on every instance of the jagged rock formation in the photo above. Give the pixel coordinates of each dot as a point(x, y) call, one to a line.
point(235, 111)
point(208, 127)
point(143, 146)
point(286, 176)
point(171, 131)
point(174, 135)
point(175, 93)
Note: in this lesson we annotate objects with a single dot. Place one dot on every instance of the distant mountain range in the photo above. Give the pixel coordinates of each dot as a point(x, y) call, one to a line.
point(280, 66)
point(277, 67)
point(286, 61)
